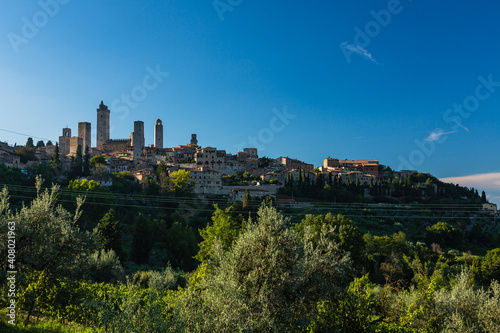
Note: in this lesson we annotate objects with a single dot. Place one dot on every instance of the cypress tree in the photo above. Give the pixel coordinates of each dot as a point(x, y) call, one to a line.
point(30, 144)
point(86, 162)
point(141, 243)
point(76, 163)
point(56, 158)
point(109, 234)
point(483, 197)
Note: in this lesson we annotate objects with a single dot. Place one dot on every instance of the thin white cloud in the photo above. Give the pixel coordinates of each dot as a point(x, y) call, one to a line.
point(487, 181)
point(459, 124)
point(434, 136)
point(359, 50)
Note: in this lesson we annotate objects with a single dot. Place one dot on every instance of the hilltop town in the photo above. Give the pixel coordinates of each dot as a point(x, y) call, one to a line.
point(215, 171)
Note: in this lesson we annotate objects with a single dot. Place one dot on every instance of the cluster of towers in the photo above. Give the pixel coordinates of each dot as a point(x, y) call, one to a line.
point(69, 144)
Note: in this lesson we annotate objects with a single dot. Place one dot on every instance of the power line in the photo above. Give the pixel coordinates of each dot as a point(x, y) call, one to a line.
point(350, 210)
point(30, 136)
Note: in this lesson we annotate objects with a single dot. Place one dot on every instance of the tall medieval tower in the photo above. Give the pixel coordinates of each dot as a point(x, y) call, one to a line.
point(194, 139)
point(64, 141)
point(84, 132)
point(158, 134)
point(102, 125)
point(138, 139)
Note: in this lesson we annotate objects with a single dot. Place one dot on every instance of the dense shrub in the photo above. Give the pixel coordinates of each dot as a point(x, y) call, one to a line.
point(444, 234)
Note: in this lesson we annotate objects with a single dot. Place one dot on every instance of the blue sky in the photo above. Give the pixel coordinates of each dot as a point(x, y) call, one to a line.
point(346, 79)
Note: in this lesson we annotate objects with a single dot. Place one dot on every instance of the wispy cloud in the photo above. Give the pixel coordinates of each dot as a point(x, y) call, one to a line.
point(359, 50)
point(459, 124)
point(488, 182)
point(434, 136)
point(483, 180)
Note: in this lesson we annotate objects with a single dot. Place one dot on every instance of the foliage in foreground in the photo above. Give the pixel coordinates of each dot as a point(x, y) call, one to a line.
point(263, 276)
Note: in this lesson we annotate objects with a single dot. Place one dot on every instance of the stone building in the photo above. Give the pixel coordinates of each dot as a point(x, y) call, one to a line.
point(115, 146)
point(84, 132)
point(74, 143)
point(293, 163)
point(158, 134)
point(138, 139)
point(102, 125)
point(65, 141)
point(251, 152)
point(194, 140)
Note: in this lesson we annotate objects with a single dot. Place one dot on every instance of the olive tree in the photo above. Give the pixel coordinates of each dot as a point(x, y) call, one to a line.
point(270, 279)
point(48, 243)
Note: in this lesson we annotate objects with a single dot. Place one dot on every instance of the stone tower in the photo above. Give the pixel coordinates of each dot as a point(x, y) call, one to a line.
point(84, 132)
point(74, 143)
point(102, 125)
point(194, 140)
point(158, 134)
point(65, 141)
point(138, 139)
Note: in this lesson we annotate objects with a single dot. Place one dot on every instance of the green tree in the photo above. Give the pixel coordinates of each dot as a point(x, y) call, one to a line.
point(109, 234)
point(346, 233)
point(182, 246)
point(48, 243)
point(56, 158)
point(141, 242)
point(98, 159)
point(150, 186)
point(273, 181)
point(86, 162)
point(358, 310)
point(49, 143)
point(181, 183)
point(490, 267)
point(444, 234)
point(30, 144)
point(99, 166)
point(40, 144)
point(162, 174)
point(269, 281)
point(76, 167)
point(105, 266)
point(84, 185)
point(45, 170)
point(264, 162)
point(223, 229)
point(26, 154)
